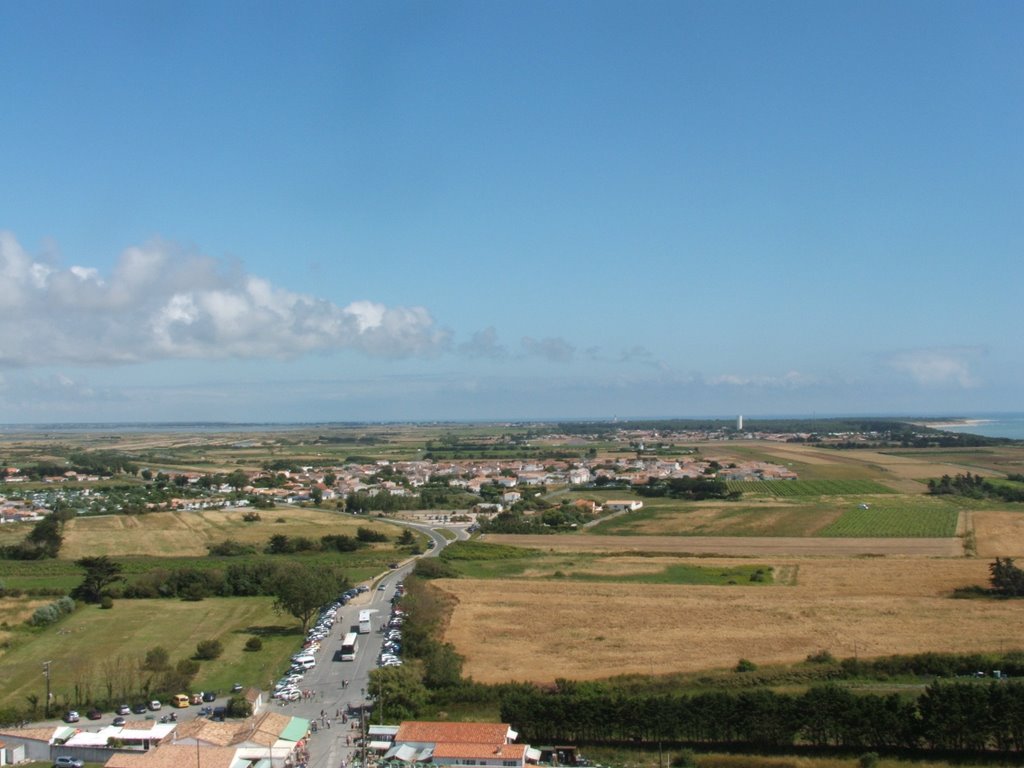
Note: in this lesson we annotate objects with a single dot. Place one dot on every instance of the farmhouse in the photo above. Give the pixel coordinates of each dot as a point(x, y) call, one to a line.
point(623, 505)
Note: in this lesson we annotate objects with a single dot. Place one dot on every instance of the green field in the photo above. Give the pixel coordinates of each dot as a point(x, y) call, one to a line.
point(94, 647)
point(668, 517)
point(897, 519)
point(479, 560)
point(806, 488)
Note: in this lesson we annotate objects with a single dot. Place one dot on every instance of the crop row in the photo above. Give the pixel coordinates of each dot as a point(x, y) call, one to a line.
point(895, 522)
point(797, 488)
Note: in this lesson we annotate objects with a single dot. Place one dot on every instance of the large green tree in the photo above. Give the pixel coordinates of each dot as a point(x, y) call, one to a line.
point(301, 590)
point(100, 573)
point(398, 692)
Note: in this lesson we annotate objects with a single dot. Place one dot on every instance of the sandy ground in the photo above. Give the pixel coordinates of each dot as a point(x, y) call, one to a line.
point(735, 545)
point(542, 630)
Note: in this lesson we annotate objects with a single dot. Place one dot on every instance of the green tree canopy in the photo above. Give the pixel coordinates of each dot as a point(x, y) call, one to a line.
point(100, 573)
point(301, 590)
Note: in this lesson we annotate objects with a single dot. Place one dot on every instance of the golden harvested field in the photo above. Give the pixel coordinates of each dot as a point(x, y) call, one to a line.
point(543, 630)
point(999, 534)
point(184, 534)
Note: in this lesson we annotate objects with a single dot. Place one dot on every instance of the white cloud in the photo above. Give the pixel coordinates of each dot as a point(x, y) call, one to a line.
point(162, 302)
point(484, 344)
point(550, 348)
point(938, 367)
point(791, 379)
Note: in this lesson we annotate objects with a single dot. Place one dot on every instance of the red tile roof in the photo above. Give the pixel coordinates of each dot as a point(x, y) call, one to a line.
point(480, 751)
point(456, 733)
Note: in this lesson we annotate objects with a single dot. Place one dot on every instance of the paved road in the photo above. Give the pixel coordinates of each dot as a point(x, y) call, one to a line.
point(327, 746)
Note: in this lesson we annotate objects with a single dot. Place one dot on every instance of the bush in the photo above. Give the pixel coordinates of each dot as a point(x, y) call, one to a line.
point(48, 614)
point(745, 665)
point(254, 644)
point(685, 759)
point(821, 657)
point(868, 760)
point(106, 602)
point(209, 649)
point(239, 707)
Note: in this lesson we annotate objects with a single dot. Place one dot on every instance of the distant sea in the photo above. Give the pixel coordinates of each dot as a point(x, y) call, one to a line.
point(1009, 425)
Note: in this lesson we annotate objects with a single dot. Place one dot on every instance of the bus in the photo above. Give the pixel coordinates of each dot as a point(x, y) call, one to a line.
point(349, 646)
point(364, 622)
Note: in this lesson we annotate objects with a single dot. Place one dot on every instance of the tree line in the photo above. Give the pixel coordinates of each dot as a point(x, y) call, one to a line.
point(975, 487)
point(948, 716)
point(688, 488)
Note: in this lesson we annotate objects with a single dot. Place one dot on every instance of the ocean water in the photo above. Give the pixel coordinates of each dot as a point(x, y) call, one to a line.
point(1009, 425)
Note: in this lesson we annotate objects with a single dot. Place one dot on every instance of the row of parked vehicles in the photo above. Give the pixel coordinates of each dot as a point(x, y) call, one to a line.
point(391, 648)
point(287, 688)
point(180, 701)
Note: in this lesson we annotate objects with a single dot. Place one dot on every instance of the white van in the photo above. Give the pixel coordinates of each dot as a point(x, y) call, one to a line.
point(305, 662)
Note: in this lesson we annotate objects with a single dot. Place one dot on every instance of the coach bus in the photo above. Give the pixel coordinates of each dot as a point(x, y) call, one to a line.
point(349, 646)
point(364, 622)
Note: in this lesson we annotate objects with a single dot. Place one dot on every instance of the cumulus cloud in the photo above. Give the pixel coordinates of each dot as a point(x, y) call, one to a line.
point(159, 302)
point(937, 367)
point(484, 344)
point(550, 348)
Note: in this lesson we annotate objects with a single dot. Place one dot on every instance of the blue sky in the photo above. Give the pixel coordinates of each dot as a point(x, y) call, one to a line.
point(505, 210)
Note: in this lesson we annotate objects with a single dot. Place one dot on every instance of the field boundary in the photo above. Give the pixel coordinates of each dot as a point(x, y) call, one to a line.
point(737, 546)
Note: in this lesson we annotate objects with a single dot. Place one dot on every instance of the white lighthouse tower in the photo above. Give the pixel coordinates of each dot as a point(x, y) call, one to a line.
point(739, 423)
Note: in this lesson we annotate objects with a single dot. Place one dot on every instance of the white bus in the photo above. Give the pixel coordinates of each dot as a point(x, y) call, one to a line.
point(364, 622)
point(349, 647)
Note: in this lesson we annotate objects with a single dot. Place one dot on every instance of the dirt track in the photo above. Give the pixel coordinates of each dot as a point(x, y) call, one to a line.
point(736, 546)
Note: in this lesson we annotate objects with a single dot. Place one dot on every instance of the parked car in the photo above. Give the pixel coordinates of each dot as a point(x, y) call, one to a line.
point(119, 721)
point(67, 762)
point(209, 695)
point(154, 705)
point(195, 698)
point(236, 688)
point(219, 713)
point(123, 709)
point(71, 716)
point(139, 709)
point(94, 714)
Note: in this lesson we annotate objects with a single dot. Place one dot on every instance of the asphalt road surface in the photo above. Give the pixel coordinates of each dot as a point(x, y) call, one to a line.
point(328, 748)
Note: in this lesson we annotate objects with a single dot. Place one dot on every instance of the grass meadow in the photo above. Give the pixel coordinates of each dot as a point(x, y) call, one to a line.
point(93, 646)
point(494, 561)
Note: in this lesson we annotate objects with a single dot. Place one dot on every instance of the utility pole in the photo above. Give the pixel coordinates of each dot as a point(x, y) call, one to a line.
point(362, 728)
point(46, 672)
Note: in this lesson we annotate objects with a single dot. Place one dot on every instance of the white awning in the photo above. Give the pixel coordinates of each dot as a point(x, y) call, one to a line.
point(532, 754)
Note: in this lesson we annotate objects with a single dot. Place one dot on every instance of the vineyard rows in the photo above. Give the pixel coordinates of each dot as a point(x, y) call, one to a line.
point(895, 522)
point(798, 488)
